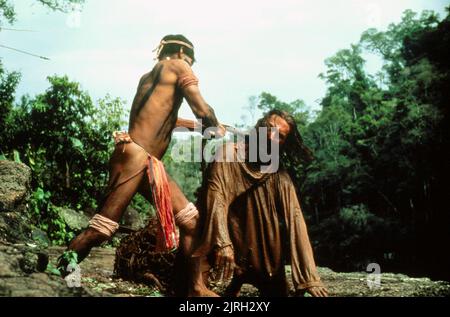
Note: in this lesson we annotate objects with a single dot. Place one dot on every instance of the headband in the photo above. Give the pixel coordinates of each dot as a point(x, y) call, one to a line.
point(164, 42)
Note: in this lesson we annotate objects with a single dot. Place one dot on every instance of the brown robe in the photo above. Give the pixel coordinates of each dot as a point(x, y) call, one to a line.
point(260, 216)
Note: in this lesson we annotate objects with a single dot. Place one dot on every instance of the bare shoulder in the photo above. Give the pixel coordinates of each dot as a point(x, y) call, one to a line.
point(158, 70)
point(144, 78)
point(179, 66)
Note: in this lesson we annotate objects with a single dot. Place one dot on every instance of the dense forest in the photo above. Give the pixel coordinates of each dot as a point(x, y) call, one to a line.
point(375, 192)
point(378, 186)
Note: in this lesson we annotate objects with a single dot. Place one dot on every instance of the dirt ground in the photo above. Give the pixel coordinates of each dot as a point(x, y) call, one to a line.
point(98, 280)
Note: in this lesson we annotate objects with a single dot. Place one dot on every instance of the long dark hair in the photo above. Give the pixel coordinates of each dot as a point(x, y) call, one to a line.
point(294, 153)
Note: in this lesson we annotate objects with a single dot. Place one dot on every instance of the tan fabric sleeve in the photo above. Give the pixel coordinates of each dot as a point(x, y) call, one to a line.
point(304, 270)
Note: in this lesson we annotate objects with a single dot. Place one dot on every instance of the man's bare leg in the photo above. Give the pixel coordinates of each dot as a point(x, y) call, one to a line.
point(113, 209)
point(188, 233)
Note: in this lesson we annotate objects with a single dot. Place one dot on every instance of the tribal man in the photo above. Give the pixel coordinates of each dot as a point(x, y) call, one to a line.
point(252, 222)
point(135, 164)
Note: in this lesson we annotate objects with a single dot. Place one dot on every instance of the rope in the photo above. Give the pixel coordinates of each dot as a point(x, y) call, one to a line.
point(16, 30)
point(24, 52)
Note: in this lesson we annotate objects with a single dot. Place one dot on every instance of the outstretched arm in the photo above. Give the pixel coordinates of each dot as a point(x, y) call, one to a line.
point(188, 83)
point(199, 106)
point(304, 271)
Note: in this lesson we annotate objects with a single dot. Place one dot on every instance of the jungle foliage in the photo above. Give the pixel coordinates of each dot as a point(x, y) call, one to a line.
point(374, 193)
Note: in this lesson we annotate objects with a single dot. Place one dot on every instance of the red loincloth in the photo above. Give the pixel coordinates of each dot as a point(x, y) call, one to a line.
point(167, 238)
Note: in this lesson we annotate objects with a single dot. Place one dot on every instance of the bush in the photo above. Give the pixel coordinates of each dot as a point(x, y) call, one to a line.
point(353, 238)
point(67, 141)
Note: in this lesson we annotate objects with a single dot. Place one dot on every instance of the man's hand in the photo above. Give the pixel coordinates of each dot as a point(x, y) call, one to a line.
point(318, 291)
point(221, 131)
point(315, 291)
point(224, 263)
point(217, 132)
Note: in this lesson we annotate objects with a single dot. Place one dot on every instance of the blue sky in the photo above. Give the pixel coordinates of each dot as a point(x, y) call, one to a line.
point(243, 47)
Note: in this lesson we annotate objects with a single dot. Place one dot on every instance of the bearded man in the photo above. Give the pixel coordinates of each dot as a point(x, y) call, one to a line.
point(251, 219)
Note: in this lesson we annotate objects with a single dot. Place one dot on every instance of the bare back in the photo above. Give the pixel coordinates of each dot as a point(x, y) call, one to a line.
point(155, 108)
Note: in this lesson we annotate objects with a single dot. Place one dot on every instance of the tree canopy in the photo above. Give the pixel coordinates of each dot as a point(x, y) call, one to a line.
point(376, 188)
point(8, 13)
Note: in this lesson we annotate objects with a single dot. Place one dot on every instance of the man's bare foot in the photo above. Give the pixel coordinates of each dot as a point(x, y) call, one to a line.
point(201, 291)
point(67, 262)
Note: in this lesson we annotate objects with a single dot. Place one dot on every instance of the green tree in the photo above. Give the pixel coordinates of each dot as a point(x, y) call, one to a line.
point(296, 108)
point(8, 13)
point(381, 146)
point(66, 140)
point(389, 44)
point(8, 85)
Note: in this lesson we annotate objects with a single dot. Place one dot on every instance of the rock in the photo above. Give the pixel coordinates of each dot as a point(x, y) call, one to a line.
point(14, 227)
point(399, 285)
point(20, 259)
point(40, 237)
point(39, 285)
point(23, 260)
point(132, 219)
point(32, 262)
point(9, 262)
point(21, 268)
point(15, 181)
point(74, 220)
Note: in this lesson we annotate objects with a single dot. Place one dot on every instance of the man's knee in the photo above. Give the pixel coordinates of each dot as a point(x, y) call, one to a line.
point(187, 219)
point(101, 229)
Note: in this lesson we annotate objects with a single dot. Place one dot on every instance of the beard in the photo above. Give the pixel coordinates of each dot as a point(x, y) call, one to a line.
point(258, 149)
